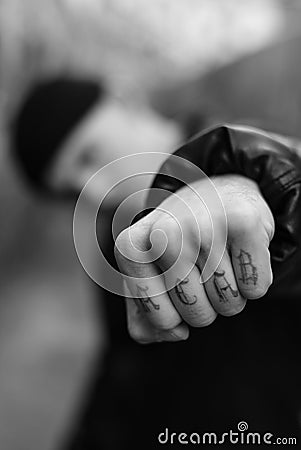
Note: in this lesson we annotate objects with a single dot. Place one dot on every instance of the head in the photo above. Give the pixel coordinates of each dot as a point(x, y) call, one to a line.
point(67, 129)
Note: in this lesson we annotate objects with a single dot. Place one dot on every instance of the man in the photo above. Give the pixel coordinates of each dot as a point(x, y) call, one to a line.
point(246, 368)
point(65, 129)
point(219, 352)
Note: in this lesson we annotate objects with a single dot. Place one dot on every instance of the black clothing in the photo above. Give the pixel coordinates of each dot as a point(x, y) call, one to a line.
point(243, 368)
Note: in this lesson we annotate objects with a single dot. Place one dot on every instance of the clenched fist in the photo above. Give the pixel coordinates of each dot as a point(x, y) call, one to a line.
point(195, 257)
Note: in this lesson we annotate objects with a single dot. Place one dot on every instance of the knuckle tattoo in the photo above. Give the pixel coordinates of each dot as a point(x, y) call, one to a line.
point(144, 302)
point(223, 287)
point(248, 271)
point(184, 298)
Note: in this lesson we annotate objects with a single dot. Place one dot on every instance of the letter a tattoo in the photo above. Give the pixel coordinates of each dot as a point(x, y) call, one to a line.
point(221, 285)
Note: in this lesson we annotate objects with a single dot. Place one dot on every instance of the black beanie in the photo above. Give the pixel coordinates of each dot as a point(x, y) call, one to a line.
point(46, 117)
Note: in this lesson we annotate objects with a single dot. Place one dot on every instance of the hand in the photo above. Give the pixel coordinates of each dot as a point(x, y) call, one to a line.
point(238, 271)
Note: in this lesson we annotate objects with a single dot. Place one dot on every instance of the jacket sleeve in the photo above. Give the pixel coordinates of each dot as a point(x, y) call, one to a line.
point(267, 159)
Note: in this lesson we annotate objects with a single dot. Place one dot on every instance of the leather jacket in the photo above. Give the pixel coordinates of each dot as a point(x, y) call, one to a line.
point(271, 161)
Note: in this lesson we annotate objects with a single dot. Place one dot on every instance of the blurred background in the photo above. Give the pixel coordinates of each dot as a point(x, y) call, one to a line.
point(182, 65)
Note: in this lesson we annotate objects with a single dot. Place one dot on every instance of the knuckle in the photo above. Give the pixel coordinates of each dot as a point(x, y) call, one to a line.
point(168, 226)
point(165, 238)
point(129, 241)
point(244, 219)
point(203, 232)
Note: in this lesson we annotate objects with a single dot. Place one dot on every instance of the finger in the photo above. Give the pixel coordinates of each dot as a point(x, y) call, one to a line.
point(251, 259)
point(190, 298)
point(143, 332)
point(180, 273)
point(144, 281)
point(222, 289)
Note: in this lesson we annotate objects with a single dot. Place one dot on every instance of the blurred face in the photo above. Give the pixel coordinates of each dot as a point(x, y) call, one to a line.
point(111, 131)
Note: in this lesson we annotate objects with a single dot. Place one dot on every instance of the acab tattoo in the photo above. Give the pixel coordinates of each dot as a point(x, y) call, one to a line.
point(248, 271)
point(183, 296)
point(222, 285)
point(144, 300)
